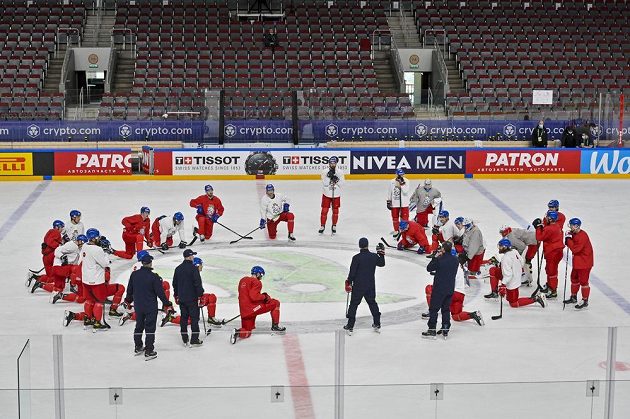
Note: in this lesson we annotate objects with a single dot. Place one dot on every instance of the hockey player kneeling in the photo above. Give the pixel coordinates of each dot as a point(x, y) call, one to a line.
point(252, 302)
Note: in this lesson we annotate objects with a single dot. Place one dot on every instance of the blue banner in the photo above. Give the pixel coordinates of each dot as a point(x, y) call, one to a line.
point(605, 162)
point(248, 131)
point(412, 161)
point(102, 130)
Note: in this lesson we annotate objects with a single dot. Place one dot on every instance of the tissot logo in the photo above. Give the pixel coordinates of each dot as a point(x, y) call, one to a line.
point(206, 160)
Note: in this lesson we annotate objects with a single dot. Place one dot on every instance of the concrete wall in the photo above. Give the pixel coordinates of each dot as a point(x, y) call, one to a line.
point(81, 59)
point(425, 64)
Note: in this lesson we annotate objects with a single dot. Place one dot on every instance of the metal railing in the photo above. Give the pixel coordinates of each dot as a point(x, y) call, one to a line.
point(442, 66)
point(110, 70)
point(435, 33)
point(398, 68)
point(68, 31)
point(64, 69)
point(380, 32)
point(429, 99)
point(131, 42)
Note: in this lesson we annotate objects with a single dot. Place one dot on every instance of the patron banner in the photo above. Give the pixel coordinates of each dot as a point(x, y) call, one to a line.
point(110, 162)
point(522, 161)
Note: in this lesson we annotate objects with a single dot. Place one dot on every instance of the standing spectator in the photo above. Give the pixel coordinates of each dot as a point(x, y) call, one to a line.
point(187, 289)
point(398, 199)
point(570, 137)
point(539, 135)
point(579, 243)
point(143, 290)
point(361, 283)
point(444, 267)
point(425, 199)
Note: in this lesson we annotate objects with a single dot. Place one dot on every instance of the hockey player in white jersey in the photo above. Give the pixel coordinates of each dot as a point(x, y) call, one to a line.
point(74, 228)
point(165, 227)
point(332, 183)
point(398, 200)
point(446, 230)
point(525, 242)
point(273, 209)
point(65, 265)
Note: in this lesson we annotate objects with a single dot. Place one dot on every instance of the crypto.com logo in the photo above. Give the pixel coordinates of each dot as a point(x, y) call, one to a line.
point(33, 131)
point(230, 130)
point(421, 130)
point(124, 130)
point(509, 130)
point(332, 130)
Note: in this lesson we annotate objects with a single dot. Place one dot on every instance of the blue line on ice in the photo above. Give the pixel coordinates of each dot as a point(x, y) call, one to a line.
point(601, 285)
point(12, 220)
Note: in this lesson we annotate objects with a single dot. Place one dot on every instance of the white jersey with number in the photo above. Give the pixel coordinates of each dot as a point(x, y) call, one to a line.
point(73, 230)
point(450, 231)
point(168, 229)
point(398, 195)
point(70, 250)
point(270, 208)
point(512, 268)
point(94, 260)
point(330, 189)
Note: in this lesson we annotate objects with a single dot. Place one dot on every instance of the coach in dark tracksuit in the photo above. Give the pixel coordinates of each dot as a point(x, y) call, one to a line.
point(361, 282)
point(143, 290)
point(445, 265)
point(187, 289)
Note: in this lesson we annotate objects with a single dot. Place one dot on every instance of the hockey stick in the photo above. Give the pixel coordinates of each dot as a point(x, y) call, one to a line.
point(36, 272)
point(395, 247)
point(500, 316)
point(347, 303)
point(203, 320)
point(229, 229)
point(566, 269)
point(539, 266)
point(242, 237)
point(232, 319)
point(332, 207)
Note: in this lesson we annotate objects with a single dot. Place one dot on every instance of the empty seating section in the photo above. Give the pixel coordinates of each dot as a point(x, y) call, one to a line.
point(28, 35)
point(504, 52)
point(184, 49)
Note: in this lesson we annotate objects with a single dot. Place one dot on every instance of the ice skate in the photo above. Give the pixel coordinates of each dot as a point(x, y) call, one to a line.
point(234, 336)
point(138, 351)
point(321, 229)
point(425, 315)
point(114, 313)
point(87, 322)
point(291, 237)
point(443, 333)
point(540, 299)
point(492, 296)
point(30, 277)
point(68, 316)
point(196, 344)
point(167, 318)
point(476, 316)
point(148, 356)
point(333, 229)
point(571, 300)
point(552, 294)
point(36, 285)
point(215, 322)
point(276, 328)
point(99, 327)
point(429, 334)
point(376, 328)
point(348, 330)
point(124, 319)
point(58, 296)
point(582, 306)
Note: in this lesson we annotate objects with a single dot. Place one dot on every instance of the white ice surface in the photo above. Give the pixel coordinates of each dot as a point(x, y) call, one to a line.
point(551, 350)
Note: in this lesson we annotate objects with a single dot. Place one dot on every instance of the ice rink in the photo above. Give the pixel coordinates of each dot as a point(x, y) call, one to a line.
point(534, 362)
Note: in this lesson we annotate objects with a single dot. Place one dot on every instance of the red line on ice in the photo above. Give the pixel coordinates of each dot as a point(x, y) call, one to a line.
point(300, 391)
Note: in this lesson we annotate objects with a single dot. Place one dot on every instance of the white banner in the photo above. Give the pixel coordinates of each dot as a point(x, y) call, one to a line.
point(542, 97)
point(271, 162)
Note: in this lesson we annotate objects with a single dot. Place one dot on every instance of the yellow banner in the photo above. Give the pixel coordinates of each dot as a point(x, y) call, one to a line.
point(16, 164)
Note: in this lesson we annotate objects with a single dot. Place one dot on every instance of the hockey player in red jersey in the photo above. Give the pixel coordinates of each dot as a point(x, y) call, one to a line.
point(411, 234)
point(207, 300)
point(136, 232)
point(505, 279)
point(554, 205)
point(252, 303)
point(52, 240)
point(457, 302)
point(65, 266)
point(579, 243)
point(551, 237)
point(209, 209)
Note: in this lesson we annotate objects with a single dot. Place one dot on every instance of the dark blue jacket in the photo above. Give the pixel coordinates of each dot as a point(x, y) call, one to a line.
point(143, 290)
point(445, 268)
point(187, 282)
point(362, 269)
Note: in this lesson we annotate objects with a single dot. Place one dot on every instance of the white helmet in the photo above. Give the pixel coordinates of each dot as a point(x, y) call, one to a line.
point(427, 184)
point(467, 223)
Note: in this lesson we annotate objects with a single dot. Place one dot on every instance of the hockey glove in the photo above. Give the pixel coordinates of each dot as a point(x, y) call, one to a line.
point(380, 249)
point(389, 205)
point(537, 223)
point(200, 209)
point(267, 297)
point(568, 235)
point(400, 246)
point(262, 223)
point(164, 246)
point(493, 261)
point(502, 290)
point(64, 260)
point(182, 245)
point(348, 286)
point(285, 208)
point(462, 258)
point(420, 250)
point(435, 230)
point(215, 217)
point(65, 238)
point(126, 305)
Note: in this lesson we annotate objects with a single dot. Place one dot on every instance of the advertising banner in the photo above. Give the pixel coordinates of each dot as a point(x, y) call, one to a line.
point(110, 162)
point(16, 164)
point(412, 161)
point(522, 161)
point(246, 162)
point(238, 131)
point(606, 162)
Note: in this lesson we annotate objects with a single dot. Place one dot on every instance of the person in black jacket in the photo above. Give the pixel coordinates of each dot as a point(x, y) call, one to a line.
point(361, 284)
point(539, 135)
point(187, 289)
point(444, 268)
point(143, 290)
point(570, 137)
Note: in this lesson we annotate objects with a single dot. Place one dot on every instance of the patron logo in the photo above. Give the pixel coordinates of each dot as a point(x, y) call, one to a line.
point(12, 164)
point(97, 163)
point(522, 162)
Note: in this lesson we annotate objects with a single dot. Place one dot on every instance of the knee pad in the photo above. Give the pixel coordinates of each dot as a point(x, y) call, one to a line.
point(166, 286)
point(428, 289)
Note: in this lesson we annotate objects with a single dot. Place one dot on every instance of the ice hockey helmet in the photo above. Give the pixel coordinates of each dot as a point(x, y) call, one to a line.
point(505, 243)
point(178, 216)
point(400, 172)
point(428, 183)
point(197, 261)
point(553, 215)
point(75, 213)
point(58, 223)
point(467, 222)
point(145, 210)
point(459, 220)
point(208, 188)
point(257, 270)
point(575, 222)
point(444, 214)
point(82, 238)
point(269, 187)
point(141, 254)
point(553, 204)
point(92, 234)
point(503, 228)
point(404, 225)
point(333, 160)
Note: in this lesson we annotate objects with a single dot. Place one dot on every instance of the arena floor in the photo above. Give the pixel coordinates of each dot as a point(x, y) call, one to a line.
point(533, 360)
